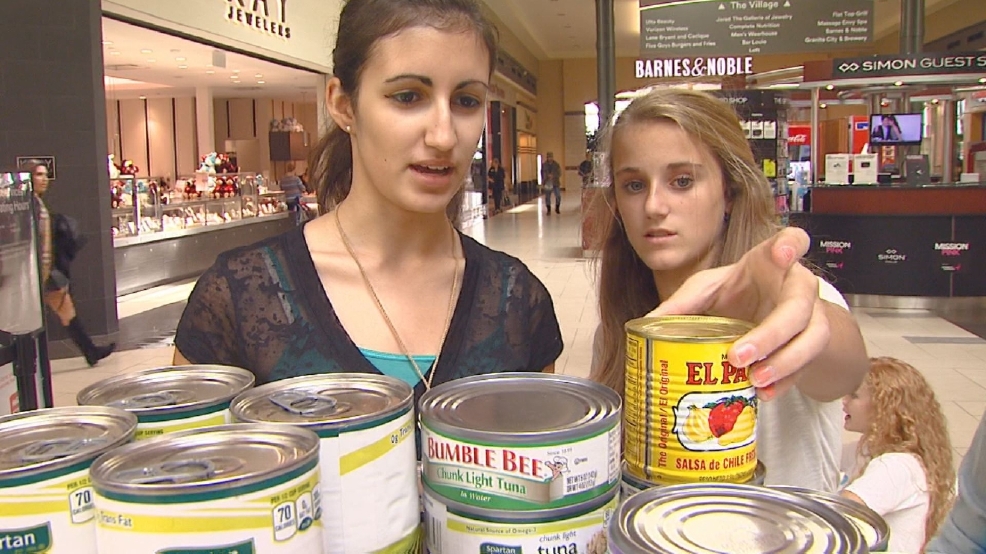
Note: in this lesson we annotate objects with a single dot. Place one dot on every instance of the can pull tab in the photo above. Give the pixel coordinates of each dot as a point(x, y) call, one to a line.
point(53, 449)
point(149, 400)
point(184, 471)
point(304, 403)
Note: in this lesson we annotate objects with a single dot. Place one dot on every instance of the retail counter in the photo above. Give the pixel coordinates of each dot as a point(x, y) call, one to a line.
point(915, 241)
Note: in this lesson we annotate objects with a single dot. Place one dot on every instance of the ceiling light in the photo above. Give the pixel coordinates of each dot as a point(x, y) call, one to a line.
point(823, 105)
point(182, 67)
point(151, 61)
point(234, 76)
point(829, 87)
point(261, 82)
point(209, 72)
point(934, 101)
point(143, 97)
point(107, 42)
point(898, 83)
point(236, 71)
point(146, 51)
point(259, 76)
point(982, 79)
point(179, 59)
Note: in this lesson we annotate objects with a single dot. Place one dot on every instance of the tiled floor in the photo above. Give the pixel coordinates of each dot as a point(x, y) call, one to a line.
point(952, 358)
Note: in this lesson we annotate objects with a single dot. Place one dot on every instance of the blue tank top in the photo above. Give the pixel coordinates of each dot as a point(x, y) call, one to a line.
point(397, 365)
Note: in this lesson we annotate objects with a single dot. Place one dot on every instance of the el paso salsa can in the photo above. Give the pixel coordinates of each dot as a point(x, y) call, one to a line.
point(690, 415)
point(520, 441)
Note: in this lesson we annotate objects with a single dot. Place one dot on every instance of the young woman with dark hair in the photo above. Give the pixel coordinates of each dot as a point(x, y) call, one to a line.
point(383, 282)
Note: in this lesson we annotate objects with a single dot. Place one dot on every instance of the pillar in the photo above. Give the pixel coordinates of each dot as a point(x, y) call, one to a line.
point(911, 26)
point(605, 61)
point(205, 121)
point(54, 104)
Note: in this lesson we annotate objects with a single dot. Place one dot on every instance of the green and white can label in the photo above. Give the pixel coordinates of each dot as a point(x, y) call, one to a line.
point(281, 516)
point(452, 532)
point(34, 513)
point(370, 491)
point(149, 427)
point(528, 477)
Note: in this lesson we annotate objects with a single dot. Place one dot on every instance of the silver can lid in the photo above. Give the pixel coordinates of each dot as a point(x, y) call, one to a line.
point(205, 460)
point(738, 519)
point(40, 441)
point(689, 328)
point(873, 528)
point(168, 389)
point(520, 408)
point(334, 400)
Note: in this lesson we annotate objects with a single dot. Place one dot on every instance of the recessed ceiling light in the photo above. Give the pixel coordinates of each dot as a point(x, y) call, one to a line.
point(182, 67)
point(259, 76)
point(143, 97)
point(107, 42)
point(179, 59)
point(829, 87)
point(146, 51)
point(236, 71)
point(823, 106)
point(210, 72)
point(261, 82)
point(898, 83)
point(234, 76)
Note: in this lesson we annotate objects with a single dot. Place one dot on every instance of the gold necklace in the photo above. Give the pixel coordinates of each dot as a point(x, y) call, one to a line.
point(390, 324)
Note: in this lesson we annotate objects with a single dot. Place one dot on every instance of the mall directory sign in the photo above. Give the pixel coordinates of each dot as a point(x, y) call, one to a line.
point(670, 28)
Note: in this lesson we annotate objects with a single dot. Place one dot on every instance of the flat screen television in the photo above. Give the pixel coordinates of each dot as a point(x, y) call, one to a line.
point(893, 129)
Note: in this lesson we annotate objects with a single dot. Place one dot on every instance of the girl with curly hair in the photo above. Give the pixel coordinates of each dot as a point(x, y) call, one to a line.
point(904, 466)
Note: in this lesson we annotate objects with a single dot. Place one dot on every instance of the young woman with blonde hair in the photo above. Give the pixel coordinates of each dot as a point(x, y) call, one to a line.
point(904, 466)
point(689, 226)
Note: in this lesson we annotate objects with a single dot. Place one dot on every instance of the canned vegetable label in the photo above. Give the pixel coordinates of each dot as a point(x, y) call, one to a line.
point(46, 496)
point(690, 415)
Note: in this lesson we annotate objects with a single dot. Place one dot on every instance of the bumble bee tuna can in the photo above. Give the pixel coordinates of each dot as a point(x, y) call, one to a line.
point(243, 489)
point(723, 518)
point(520, 441)
point(455, 528)
point(169, 399)
point(369, 470)
point(46, 499)
point(690, 416)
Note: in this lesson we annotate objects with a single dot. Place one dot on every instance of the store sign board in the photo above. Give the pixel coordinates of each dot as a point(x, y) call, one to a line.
point(48, 161)
point(899, 65)
point(693, 67)
point(299, 32)
point(730, 27)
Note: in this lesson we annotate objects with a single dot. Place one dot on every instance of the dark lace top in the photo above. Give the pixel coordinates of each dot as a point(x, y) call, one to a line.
point(262, 307)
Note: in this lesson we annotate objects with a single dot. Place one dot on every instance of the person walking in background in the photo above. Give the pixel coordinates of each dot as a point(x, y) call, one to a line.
point(551, 182)
point(293, 188)
point(585, 169)
point(495, 179)
point(60, 243)
point(904, 459)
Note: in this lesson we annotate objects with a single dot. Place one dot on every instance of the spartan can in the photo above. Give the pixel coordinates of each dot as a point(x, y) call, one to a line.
point(520, 441)
point(690, 415)
point(455, 528)
point(46, 500)
point(170, 399)
point(369, 472)
point(720, 517)
point(243, 489)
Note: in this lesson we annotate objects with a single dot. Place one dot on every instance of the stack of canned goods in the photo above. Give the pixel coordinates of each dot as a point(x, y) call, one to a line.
point(518, 462)
point(690, 416)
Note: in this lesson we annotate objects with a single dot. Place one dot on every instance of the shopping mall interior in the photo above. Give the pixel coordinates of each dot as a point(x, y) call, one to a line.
point(167, 126)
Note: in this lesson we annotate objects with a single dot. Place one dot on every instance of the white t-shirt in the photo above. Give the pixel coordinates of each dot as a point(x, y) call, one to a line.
point(895, 486)
point(799, 439)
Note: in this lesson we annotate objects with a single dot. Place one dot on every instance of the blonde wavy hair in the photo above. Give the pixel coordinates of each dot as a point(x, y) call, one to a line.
point(626, 284)
point(906, 417)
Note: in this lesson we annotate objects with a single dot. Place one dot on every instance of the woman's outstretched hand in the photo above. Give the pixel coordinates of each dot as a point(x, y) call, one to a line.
point(795, 329)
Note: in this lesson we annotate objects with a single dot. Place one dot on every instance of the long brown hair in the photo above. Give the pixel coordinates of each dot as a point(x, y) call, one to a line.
point(626, 284)
point(362, 24)
point(906, 417)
